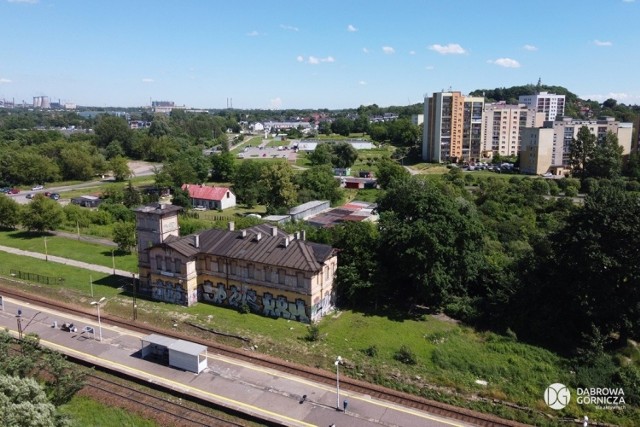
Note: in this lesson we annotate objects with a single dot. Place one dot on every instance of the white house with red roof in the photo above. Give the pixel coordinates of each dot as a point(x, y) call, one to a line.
point(218, 198)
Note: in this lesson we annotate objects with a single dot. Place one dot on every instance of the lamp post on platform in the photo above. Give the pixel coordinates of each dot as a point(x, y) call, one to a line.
point(337, 363)
point(97, 304)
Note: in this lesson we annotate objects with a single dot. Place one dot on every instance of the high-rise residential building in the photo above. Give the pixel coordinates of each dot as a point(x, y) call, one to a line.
point(566, 130)
point(550, 104)
point(501, 127)
point(452, 127)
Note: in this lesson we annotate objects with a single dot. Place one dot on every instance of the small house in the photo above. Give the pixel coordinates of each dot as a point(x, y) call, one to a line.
point(217, 198)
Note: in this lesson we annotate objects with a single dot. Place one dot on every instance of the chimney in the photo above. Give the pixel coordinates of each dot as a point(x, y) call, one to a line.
point(232, 226)
point(258, 236)
point(196, 240)
point(303, 234)
point(243, 233)
point(286, 242)
point(297, 235)
point(274, 231)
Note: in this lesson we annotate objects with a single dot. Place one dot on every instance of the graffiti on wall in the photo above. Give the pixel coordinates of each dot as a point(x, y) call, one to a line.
point(321, 307)
point(174, 293)
point(265, 304)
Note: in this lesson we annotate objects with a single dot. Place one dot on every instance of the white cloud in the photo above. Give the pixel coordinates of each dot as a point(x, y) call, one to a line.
point(289, 27)
point(618, 96)
point(430, 67)
point(362, 83)
point(529, 47)
point(253, 33)
point(351, 28)
point(23, 1)
point(365, 50)
point(275, 103)
point(314, 60)
point(450, 49)
point(388, 50)
point(505, 62)
point(147, 80)
point(602, 43)
point(412, 52)
point(4, 80)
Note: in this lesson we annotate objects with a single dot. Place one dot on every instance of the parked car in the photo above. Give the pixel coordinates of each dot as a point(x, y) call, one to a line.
point(4, 190)
point(54, 196)
point(29, 196)
point(14, 191)
point(37, 187)
point(199, 208)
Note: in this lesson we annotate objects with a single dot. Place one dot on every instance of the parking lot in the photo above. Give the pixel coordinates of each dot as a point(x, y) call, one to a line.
point(263, 152)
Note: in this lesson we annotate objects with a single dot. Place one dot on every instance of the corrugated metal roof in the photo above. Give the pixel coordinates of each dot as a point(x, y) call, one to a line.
point(187, 347)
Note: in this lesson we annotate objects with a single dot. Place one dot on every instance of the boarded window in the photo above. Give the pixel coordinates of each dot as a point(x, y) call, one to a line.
point(281, 276)
point(250, 271)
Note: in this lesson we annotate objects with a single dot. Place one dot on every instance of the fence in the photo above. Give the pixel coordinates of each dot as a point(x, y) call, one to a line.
point(39, 278)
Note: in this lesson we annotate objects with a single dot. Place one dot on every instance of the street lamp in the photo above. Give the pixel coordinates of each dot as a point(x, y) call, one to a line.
point(337, 363)
point(97, 304)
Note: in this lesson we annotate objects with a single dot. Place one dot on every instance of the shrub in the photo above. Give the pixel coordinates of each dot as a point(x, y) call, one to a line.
point(371, 351)
point(313, 333)
point(405, 355)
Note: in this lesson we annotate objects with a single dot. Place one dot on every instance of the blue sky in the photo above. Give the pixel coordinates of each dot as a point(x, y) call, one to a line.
point(323, 54)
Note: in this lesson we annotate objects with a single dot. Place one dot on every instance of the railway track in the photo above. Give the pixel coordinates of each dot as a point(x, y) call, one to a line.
point(170, 411)
point(313, 374)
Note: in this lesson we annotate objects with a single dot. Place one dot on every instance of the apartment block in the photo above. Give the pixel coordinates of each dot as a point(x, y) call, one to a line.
point(502, 124)
point(452, 127)
point(566, 130)
point(536, 153)
point(550, 104)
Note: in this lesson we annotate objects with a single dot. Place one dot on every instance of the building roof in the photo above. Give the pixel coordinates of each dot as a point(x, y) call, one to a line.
point(187, 347)
point(204, 192)
point(306, 206)
point(279, 251)
point(158, 208)
point(159, 340)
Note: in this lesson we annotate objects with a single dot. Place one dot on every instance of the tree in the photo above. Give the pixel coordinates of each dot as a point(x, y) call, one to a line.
point(403, 132)
point(112, 128)
point(342, 126)
point(124, 235)
point(581, 151)
point(24, 403)
point(357, 268)
point(246, 182)
point(322, 155)
point(324, 128)
point(378, 132)
point(390, 171)
point(280, 192)
point(132, 197)
point(159, 126)
point(42, 214)
point(344, 155)
point(9, 212)
point(120, 168)
point(430, 243)
point(606, 161)
point(223, 166)
point(318, 183)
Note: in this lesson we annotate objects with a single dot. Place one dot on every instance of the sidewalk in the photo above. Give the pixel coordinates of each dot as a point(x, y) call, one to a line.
point(66, 261)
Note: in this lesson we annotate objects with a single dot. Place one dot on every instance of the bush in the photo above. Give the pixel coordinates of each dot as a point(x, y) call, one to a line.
point(371, 351)
point(313, 333)
point(405, 355)
point(571, 191)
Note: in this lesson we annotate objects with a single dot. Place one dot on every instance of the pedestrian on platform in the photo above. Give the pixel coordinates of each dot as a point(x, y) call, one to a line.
point(345, 404)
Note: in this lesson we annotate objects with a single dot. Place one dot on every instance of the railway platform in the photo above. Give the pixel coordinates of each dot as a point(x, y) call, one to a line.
point(268, 394)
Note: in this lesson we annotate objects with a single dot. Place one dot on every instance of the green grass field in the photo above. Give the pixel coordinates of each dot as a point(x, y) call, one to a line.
point(85, 411)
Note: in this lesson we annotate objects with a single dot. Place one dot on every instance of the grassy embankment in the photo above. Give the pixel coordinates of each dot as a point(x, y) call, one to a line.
point(449, 357)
